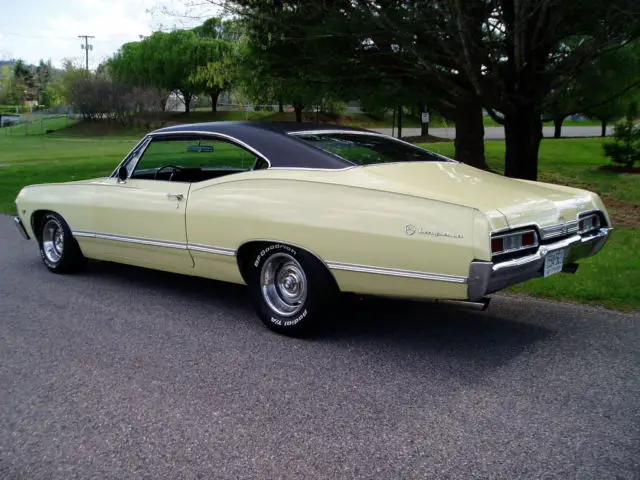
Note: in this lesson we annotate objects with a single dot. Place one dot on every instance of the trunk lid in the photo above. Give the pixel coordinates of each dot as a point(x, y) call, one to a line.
point(520, 202)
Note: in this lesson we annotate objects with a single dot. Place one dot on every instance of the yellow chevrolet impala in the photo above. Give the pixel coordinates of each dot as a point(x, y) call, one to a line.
point(301, 212)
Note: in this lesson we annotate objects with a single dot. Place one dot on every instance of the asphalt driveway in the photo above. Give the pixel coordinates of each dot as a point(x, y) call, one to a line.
point(121, 372)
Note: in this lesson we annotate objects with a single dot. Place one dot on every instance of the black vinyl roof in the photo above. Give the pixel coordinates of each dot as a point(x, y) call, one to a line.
point(273, 141)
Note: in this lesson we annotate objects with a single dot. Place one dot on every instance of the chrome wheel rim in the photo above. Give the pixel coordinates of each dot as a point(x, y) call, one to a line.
point(283, 284)
point(53, 241)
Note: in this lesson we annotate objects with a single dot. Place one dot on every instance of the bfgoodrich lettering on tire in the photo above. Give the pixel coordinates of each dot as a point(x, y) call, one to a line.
point(291, 289)
point(59, 250)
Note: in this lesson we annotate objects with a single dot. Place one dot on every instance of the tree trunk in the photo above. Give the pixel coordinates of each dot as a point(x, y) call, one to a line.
point(469, 141)
point(603, 127)
point(399, 122)
point(557, 127)
point(280, 106)
point(298, 110)
point(523, 133)
point(214, 94)
point(187, 101)
point(424, 127)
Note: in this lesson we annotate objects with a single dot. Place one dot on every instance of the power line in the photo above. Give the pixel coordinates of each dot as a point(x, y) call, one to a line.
point(29, 35)
point(86, 48)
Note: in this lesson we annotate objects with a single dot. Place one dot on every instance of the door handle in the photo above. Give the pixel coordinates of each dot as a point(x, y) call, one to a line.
point(177, 196)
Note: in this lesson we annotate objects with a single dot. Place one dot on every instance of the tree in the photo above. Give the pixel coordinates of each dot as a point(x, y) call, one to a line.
point(23, 76)
point(503, 55)
point(219, 55)
point(43, 75)
point(70, 74)
point(262, 82)
point(610, 83)
point(625, 149)
point(162, 60)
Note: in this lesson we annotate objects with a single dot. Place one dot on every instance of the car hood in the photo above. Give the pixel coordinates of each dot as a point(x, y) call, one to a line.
point(520, 202)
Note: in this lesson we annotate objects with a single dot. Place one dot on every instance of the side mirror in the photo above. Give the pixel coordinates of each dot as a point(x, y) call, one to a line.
point(122, 174)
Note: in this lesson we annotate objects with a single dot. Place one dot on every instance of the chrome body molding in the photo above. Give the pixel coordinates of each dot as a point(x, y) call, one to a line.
point(552, 231)
point(489, 277)
point(232, 252)
point(137, 240)
point(439, 277)
point(20, 226)
point(559, 230)
point(146, 140)
point(222, 136)
point(157, 243)
point(210, 249)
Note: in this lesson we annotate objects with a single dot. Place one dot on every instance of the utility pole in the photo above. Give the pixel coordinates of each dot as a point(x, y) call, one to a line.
point(86, 47)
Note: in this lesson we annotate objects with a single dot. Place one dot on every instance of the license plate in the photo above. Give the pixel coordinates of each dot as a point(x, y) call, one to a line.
point(553, 262)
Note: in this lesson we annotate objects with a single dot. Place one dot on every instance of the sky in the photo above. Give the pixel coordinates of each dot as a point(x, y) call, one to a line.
point(49, 29)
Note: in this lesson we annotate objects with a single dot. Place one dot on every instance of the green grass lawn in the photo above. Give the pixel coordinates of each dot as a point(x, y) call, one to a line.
point(611, 278)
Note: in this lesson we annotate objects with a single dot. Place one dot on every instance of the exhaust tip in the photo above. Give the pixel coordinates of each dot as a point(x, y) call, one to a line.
point(481, 304)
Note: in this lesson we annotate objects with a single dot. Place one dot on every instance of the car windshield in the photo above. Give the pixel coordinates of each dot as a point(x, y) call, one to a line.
point(363, 149)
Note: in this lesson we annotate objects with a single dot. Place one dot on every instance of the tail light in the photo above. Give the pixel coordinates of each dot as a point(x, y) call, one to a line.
point(513, 242)
point(589, 222)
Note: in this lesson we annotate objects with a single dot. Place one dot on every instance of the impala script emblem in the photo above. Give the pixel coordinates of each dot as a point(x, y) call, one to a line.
point(411, 229)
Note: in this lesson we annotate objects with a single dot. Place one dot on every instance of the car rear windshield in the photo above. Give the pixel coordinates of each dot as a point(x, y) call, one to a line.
point(363, 149)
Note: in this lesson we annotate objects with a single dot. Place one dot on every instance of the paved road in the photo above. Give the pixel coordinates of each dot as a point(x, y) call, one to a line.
point(497, 133)
point(124, 373)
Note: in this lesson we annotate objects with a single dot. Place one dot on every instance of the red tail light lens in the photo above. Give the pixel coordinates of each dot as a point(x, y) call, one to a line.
point(512, 242)
point(497, 245)
point(529, 239)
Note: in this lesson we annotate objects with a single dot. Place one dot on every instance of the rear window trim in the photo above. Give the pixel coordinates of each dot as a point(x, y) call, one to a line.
point(439, 156)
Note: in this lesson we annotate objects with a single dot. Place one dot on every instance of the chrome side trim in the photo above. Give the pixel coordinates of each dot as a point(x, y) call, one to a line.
point(143, 142)
point(439, 277)
point(157, 243)
point(137, 240)
point(209, 249)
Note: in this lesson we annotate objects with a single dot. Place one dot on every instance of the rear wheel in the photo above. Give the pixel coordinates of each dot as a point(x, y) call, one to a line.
point(59, 250)
point(292, 291)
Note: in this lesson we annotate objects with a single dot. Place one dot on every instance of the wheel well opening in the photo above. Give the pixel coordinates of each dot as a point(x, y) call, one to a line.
point(247, 251)
point(36, 218)
point(244, 257)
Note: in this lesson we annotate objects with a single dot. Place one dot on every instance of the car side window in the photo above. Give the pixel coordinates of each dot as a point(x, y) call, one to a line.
point(193, 159)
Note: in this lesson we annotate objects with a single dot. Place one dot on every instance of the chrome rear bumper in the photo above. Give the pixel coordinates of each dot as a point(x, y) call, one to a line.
point(489, 277)
point(19, 225)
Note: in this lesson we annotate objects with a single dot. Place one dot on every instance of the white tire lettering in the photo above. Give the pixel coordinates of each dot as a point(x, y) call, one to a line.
point(272, 247)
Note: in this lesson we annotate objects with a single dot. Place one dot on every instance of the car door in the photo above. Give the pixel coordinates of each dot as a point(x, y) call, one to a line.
point(141, 220)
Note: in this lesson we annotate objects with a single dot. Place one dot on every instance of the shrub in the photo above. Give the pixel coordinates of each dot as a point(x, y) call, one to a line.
point(625, 149)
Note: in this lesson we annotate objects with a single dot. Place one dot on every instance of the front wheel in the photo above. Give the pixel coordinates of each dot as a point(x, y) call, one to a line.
point(60, 252)
point(292, 290)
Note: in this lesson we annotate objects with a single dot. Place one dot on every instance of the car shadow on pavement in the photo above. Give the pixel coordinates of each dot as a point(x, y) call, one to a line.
point(485, 339)
point(490, 337)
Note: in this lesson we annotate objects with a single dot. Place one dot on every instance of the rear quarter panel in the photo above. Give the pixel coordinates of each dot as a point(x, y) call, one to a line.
point(339, 224)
